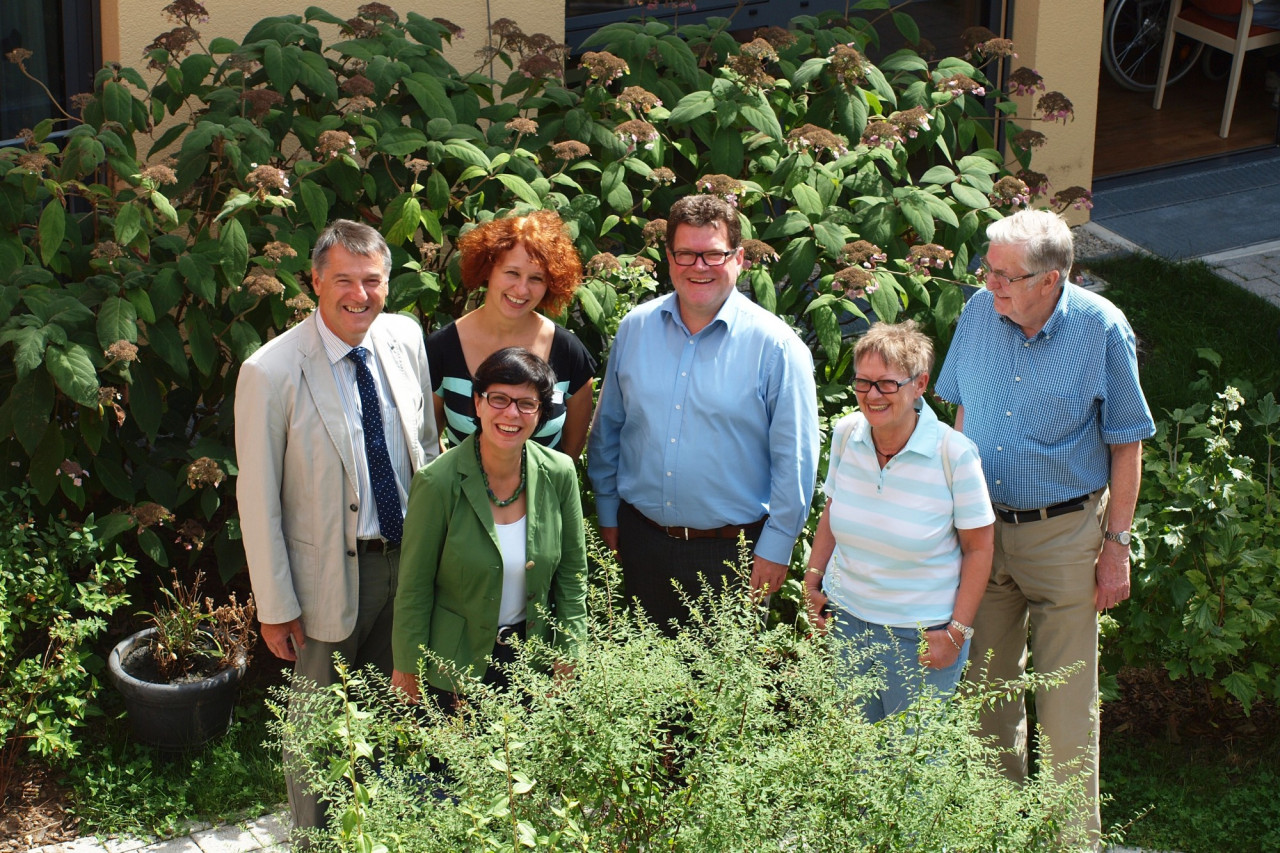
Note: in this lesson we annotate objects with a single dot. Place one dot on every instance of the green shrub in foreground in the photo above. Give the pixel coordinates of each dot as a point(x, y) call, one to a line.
point(1206, 593)
point(58, 584)
point(728, 737)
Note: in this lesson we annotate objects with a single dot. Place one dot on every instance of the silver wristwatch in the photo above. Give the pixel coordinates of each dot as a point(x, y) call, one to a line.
point(1124, 537)
point(965, 630)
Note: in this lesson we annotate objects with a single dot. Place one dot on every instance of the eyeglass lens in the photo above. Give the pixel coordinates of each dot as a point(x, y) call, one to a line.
point(524, 405)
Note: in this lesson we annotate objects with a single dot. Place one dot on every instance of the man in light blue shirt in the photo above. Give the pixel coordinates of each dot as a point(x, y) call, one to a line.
point(1046, 377)
point(707, 425)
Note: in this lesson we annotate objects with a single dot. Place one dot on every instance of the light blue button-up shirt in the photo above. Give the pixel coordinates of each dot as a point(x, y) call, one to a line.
point(708, 429)
point(1043, 410)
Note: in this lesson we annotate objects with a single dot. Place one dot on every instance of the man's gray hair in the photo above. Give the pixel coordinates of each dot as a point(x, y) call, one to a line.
point(1044, 236)
point(357, 238)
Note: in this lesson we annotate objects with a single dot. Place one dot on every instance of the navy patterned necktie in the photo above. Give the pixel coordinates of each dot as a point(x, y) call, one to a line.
point(386, 496)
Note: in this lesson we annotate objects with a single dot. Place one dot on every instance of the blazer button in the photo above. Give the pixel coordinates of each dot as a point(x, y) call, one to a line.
point(351, 553)
point(529, 597)
point(355, 508)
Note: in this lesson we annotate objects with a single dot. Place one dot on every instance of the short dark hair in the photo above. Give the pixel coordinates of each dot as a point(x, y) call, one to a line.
point(517, 366)
point(703, 210)
point(357, 238)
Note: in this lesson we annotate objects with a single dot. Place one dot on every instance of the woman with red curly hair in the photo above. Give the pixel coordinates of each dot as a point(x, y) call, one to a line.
point(524, 262)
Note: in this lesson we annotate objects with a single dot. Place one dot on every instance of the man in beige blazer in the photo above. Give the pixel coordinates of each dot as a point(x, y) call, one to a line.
point(332, 419)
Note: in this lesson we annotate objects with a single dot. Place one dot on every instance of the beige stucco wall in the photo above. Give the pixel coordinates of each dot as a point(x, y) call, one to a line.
point(1062, 39)
point(130, 25)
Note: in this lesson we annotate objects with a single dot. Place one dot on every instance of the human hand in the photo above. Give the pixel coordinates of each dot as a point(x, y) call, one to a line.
point(407, 684)
point(284, 639)
point(610, 537)
point(942, 650)
point(815, 601)
point(1112, 576)
point(766, 575)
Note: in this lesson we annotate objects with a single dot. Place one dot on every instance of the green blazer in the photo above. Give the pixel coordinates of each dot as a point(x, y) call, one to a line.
point(450, 583)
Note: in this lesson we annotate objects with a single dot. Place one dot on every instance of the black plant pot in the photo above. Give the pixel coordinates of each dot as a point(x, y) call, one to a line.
point(174, 716)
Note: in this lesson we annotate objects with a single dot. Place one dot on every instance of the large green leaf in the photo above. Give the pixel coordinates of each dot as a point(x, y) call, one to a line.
point(233, 246)
point(430, 95)
point(166, 342)
point(790, 223)
point(467, 153)
point(404, 215)
point(314, 203)
point(30, 406)
point(72, 369)
point(806, 198)
point(200, 340)
point(145, 402)
point(199, 276)
point(691, 106)
point(52, 228)
point(763, 120)
point(520, 188)
point(46, 462)
point(402, 141)
point(916, 212)
point(315, 74)
point(117, 321)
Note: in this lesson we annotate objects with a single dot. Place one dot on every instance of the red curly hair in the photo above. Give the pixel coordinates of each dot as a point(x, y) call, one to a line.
point(543, 236)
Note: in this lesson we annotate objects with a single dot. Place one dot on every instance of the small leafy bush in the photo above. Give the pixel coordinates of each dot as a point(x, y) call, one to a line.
point(58, 584)
point(1206, 591)
point(727, 737)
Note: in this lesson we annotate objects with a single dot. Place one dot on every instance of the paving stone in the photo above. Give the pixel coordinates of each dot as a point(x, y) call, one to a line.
point(87, 844)
point(181, 844)
point(270, 829)
point(1249, 269)
point(125, 843)
point(226, 839)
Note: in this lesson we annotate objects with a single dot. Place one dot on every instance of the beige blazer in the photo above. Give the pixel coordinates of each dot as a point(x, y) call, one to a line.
point(296, 484)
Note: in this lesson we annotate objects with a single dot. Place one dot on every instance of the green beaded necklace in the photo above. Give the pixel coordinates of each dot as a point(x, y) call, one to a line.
point(524, 455)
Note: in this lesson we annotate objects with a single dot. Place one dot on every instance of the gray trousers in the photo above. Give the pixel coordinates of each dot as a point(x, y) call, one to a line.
point(369, 643)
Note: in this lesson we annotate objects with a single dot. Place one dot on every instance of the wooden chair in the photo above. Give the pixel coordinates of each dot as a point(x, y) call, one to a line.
point(1235, 37)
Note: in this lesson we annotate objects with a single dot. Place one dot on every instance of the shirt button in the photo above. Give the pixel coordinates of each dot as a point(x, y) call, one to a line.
point(998, 447)
point(677, 407)
point(673, 441)
point(668, 503)
point(1008, 414)
point(684, 373)
point(1017, 379)
point(668, 473)
point(1026, 344)
point(355, 508)
point(997, 482)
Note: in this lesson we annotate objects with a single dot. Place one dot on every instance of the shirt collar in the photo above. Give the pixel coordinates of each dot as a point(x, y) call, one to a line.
point(725, 316)
point(1056, 319)
point(923, 440)
point(335, 347)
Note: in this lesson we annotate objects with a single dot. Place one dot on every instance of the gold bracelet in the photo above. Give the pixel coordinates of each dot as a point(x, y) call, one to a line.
point(815, 570)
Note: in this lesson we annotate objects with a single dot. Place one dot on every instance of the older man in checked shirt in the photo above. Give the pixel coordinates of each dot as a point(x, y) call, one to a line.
point(1046, 378)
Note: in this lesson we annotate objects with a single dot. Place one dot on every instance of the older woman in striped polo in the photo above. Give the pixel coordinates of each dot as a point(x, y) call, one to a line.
point(904, 545)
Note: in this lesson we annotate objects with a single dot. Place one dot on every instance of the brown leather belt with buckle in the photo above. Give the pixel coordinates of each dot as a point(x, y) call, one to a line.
point(728, 531)
point(374, 546)
point(1023, 516)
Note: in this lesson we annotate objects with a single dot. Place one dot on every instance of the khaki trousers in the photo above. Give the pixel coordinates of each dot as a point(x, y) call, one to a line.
point(369, 643)
point(1042, 581)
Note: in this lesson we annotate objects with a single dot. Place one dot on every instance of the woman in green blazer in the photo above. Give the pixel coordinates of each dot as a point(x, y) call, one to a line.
point(493, 541)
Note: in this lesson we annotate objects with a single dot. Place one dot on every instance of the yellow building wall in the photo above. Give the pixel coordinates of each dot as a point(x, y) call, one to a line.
point(1062, 39)
point(128, 26)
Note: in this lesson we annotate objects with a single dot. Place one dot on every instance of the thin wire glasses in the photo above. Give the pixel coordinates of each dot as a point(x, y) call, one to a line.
point(524, 405)
point(1001, 277)
point(884, 386)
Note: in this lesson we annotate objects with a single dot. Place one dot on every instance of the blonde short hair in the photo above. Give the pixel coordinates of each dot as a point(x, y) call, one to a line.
point(901, 345)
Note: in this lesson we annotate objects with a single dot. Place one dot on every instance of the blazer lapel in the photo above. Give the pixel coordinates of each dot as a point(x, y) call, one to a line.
point(318, 374)
point(473, 489)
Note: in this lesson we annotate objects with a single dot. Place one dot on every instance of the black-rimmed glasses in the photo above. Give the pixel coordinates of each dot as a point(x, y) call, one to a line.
point(1001, 277)
point(685, 258)
point(884, 386)
point(524, 405)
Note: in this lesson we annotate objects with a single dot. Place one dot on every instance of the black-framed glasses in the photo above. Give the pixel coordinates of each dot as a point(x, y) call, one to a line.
point(524, 405)
point(884, 386)
point(1004, 278)
point(685, 258)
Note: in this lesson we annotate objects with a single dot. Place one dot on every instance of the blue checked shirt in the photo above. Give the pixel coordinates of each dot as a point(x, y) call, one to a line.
point(710, 429)
point(1044, 410)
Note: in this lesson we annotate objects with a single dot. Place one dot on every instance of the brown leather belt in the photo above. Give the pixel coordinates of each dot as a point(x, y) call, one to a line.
point(374, 546)
point(1023, 516)
point(728, 531)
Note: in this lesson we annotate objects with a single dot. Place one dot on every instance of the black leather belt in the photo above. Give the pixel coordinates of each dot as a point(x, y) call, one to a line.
point(375, 546)
point(506, 633)
point(1023, 516)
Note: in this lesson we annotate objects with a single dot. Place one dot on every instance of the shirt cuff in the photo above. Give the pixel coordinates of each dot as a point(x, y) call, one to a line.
point(607, 511)
point(775, 546)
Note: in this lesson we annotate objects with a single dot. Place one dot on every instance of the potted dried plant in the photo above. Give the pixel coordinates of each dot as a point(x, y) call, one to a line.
point(180, 678)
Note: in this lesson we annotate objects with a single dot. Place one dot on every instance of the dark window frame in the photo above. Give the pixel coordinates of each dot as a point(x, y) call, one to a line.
point(80, 31)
